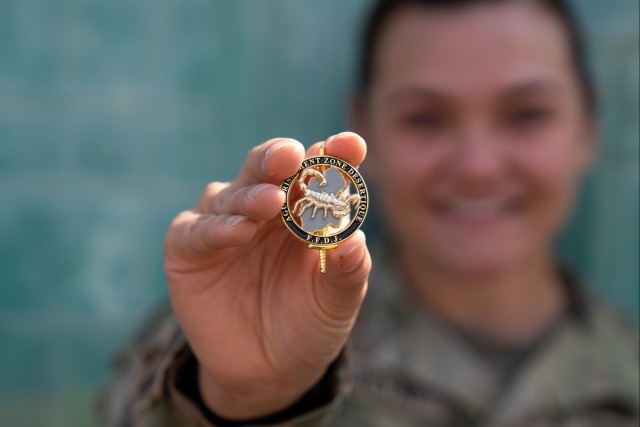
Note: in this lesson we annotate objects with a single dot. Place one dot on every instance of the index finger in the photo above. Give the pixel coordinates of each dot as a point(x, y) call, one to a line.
point(348, 146)
point(270, 162)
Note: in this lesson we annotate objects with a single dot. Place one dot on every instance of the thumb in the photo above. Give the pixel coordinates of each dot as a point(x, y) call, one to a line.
point(343, 286)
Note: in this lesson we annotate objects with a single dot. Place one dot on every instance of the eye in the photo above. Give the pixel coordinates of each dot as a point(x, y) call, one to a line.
point(529, 116)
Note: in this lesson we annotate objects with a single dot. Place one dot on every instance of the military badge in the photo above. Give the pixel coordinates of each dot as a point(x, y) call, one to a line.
point(319, 207)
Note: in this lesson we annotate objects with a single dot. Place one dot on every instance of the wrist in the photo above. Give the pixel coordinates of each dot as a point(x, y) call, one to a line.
point(236, 403)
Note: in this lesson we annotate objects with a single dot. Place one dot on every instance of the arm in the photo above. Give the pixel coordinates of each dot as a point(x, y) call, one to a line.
point(260, 319)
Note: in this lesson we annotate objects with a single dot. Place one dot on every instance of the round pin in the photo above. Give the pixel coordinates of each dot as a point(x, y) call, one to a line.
point(320, 208)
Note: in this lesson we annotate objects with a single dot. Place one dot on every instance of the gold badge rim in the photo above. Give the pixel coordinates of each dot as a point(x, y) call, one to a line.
point(330, 241)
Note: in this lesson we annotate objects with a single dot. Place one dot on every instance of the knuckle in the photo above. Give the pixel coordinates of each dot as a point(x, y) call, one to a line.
point(180, 219)
point(212, 197)
point(214, 188)
point(275, 140)
point(256, 150)
point(176, 228)
point(226, 200)
point(260, 150)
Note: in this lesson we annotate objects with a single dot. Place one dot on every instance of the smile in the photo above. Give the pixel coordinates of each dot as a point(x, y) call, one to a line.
point(478, 210)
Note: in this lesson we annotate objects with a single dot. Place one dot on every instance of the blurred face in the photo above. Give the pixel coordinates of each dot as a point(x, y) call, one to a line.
point(477, 133)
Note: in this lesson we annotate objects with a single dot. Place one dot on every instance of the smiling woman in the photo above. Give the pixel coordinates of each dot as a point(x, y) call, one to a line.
point(479, 123)
point(484, 135)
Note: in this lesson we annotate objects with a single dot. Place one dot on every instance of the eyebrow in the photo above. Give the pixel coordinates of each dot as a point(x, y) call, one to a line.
point(534, 86)
point(521, 89)
point(414, 92)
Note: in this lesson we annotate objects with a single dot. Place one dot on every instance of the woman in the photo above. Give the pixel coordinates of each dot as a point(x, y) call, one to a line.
point(479, 121)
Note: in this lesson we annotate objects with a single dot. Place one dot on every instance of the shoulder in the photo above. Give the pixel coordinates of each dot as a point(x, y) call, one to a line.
point(610, 324)
point(598, 327)
point(612, 333)
point(592, 360)
point(139, 370)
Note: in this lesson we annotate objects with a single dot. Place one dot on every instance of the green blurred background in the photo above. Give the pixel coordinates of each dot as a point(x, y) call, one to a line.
point(115, 114)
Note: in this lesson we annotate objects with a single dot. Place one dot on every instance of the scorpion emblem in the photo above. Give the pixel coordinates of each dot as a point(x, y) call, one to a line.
point(338, 205)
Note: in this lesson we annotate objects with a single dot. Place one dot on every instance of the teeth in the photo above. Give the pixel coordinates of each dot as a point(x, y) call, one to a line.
point(476, 208)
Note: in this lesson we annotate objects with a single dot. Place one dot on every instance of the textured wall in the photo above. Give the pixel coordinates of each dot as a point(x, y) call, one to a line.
point(114, 115)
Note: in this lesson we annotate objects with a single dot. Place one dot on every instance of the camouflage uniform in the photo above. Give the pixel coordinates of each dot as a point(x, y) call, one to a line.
point(405, 367)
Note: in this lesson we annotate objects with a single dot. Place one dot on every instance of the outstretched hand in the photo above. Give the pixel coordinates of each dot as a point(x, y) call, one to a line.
point(262, 321)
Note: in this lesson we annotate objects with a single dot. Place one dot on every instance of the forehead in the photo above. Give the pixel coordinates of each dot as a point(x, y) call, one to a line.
point(471, 49)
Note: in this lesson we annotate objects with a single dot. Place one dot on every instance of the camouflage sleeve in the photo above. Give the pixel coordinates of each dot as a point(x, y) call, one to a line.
point(145, 392)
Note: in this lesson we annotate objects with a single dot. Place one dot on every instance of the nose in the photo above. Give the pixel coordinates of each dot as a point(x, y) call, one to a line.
point(477, 157)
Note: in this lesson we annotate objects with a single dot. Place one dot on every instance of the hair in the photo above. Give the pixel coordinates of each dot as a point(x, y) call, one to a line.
point(384, 9)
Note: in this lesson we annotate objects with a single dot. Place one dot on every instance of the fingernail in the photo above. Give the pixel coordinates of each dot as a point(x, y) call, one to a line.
point(257, 189)
point(233, 220)
point(353, 258)
point(271, 151)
